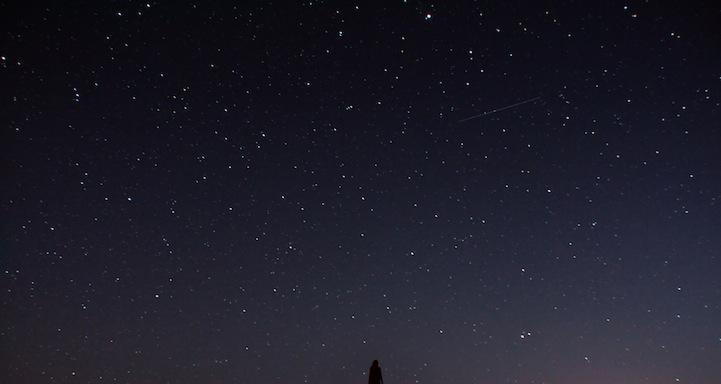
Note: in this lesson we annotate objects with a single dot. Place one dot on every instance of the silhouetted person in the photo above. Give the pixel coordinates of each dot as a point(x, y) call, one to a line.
point(374, 376)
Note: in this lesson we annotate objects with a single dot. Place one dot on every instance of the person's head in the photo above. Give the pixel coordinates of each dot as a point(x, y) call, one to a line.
point(375, 363)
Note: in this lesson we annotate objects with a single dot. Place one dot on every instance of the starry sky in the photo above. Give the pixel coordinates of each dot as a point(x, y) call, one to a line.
point(281, 192)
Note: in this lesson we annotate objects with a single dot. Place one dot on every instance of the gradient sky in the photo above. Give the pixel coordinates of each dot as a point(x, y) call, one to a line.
point(281, 192)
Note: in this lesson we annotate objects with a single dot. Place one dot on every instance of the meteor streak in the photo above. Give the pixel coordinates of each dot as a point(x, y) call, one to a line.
point(492, 111)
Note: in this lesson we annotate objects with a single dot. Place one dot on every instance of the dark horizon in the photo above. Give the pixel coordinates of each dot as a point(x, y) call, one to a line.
point(283, 192)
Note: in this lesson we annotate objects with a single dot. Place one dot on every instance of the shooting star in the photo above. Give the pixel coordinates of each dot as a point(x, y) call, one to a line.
point(492, 111)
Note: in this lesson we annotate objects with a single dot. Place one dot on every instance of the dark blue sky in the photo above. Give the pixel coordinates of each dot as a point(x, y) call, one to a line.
point(282, 192)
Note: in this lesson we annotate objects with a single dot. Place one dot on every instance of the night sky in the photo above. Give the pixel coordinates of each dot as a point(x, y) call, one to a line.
point(281, 192)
